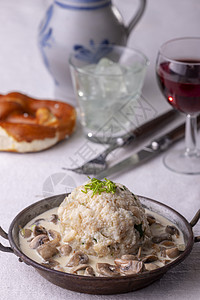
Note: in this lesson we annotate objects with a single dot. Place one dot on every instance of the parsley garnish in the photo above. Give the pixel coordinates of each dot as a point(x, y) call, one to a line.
point(22, 230)
point(134, 197)
point(124, 188)
point(99, 186)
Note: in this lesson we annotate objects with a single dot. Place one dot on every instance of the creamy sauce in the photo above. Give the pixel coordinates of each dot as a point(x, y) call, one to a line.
point(156, 229)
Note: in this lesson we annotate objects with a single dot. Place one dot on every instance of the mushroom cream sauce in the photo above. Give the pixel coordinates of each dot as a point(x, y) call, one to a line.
point(157, 228)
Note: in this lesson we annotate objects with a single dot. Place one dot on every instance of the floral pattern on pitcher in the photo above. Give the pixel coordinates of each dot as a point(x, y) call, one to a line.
point(95, 51)
point(46, 38)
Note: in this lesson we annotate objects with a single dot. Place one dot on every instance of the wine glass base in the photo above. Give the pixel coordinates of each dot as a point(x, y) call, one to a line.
point(180, 162)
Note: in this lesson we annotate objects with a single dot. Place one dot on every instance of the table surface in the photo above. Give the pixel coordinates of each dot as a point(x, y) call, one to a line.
point(26, 178)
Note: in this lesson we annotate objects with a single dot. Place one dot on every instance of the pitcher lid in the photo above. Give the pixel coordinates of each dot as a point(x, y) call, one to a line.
point(82, 4)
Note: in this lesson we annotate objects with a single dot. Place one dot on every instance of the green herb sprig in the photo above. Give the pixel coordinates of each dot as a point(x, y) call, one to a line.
point(99, 186)
point(22, 230)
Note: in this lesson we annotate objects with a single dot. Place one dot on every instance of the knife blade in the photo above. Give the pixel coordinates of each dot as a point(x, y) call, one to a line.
point(151, 150)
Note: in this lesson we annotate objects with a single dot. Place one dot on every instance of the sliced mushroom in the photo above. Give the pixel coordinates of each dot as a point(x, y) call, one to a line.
point(166, 261)
point(139, 252)
point(59, 268)
point(65, 250)
point(47, 251)
point(38, 240)
point(172, 252)
point(155, 251)
point(150, 258)
point(167, 243)
point(155, 247)
point(78, 258)
point(163, 251)
point(119, 261)
point(129, 257)
point(150, 267)
point(79, 268)
point(132, 267)
point(160, 238)
point(107, 270)
point(54, 218)
point(181, 247)
point(52, 263)
point(56, 237)
point(172, 230)
point(151, 220)
point(158, 226)
point(38, 229)
point(25, 232)
point(30, 240)
point(89, 271)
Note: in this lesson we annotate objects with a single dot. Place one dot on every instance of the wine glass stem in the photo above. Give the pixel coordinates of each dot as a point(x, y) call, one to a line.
point(191, 135)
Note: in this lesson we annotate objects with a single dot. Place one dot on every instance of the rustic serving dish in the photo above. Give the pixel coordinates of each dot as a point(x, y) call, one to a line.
point(98, 285)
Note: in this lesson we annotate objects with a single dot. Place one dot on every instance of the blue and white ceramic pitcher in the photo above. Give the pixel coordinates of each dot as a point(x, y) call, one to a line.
point(71, 24)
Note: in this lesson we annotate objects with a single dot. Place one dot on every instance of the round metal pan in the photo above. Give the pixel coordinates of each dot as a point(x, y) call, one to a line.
point(98, 285)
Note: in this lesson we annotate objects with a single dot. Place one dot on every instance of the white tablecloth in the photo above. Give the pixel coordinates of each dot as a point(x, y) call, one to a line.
point(26, 178)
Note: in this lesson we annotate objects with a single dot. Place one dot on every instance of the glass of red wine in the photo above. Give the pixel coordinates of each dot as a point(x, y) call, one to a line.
point(178, 75)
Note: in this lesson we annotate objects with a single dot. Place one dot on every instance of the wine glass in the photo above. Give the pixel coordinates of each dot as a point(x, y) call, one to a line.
point(178, 75)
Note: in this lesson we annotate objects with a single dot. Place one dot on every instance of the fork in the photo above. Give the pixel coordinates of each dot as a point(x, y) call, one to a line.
point(99, 163)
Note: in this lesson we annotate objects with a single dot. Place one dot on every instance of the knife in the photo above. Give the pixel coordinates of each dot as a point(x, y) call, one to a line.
point(90, 167)
point(155, 147)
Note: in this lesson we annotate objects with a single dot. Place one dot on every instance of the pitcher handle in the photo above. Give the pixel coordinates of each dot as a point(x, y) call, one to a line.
point(137, 16)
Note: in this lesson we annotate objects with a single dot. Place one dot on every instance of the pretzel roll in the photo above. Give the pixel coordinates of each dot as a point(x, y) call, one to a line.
point(28, 124)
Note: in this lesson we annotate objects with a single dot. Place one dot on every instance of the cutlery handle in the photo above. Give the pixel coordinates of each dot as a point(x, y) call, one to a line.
point(176, 134)
point(150, 126)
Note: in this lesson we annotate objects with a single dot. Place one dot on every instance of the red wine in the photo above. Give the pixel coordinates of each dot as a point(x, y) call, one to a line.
point(180, 83)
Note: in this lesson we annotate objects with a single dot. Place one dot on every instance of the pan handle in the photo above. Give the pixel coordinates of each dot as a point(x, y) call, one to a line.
point(5, 236)
point(194, 222)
